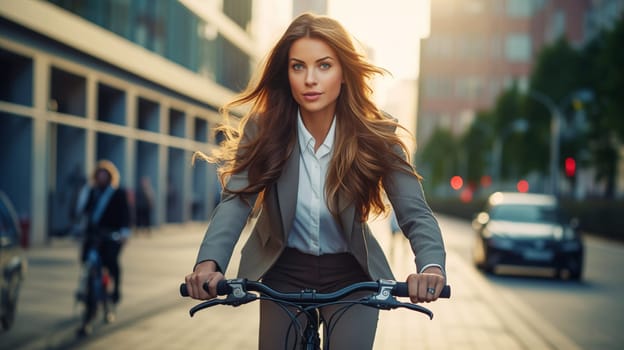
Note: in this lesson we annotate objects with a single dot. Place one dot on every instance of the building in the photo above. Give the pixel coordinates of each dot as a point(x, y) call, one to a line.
point(136, 82)
point(477, 48)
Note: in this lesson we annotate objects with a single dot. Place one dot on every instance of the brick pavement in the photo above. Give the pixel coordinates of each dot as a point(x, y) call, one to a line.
point(152, 316)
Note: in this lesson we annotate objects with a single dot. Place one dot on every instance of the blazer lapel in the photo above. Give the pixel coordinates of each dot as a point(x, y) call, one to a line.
point(287, 190)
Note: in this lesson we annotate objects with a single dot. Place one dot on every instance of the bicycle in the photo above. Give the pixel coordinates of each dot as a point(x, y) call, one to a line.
point(308, 302)
point(92, 291)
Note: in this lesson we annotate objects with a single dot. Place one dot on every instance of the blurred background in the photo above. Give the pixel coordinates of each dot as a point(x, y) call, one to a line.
point(502, 95)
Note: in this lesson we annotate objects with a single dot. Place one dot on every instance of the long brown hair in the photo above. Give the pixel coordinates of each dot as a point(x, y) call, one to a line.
point(366, 148)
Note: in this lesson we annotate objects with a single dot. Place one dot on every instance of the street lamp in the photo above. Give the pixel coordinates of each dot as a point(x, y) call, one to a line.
point(555, 129)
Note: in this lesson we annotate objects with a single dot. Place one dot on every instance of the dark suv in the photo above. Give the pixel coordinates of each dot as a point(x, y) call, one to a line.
point(12, 262)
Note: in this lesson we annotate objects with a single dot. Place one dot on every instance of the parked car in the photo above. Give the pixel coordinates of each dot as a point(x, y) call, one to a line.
point(12, 262)
point(526, 229)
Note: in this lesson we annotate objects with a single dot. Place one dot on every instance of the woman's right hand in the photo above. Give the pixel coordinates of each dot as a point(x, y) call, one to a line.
point(206, 271)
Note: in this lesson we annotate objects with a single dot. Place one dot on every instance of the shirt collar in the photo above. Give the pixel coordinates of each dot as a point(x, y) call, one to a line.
point(306, 140)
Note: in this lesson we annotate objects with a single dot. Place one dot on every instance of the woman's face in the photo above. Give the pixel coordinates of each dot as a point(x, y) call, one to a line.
point(315, 76)
point(102, 178)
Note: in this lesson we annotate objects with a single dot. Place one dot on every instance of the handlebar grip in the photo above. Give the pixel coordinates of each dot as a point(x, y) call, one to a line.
point(183, 290)
point(401, 290)
point(223, 288)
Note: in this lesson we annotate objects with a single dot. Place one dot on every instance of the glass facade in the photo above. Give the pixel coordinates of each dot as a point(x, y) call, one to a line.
point(169, 29)
point(65, 104)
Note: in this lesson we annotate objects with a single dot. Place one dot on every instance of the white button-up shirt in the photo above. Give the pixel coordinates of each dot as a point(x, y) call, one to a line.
point(314, 230)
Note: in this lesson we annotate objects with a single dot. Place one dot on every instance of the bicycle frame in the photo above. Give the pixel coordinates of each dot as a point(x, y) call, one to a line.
point(92, 289)
point(308, 302)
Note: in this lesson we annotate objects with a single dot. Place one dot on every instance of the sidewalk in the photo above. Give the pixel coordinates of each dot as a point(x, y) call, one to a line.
point(153, 316)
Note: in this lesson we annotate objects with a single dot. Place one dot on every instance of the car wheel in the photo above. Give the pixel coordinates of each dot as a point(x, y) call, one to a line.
point(11, 302)
point(573, 269)
point(479, 257)
point(576, 275)
point(487, 268)
point(484, 265)
point(569, 274)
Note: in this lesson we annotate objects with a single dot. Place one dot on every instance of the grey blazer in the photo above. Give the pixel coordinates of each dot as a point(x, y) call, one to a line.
point(270, 228)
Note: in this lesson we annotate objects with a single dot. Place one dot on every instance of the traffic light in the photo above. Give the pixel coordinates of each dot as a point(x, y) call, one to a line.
point(570, 167)
point(457, 182)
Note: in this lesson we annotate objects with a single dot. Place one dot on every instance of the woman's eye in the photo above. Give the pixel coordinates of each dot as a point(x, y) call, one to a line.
point(325, 65)
point(297, 66)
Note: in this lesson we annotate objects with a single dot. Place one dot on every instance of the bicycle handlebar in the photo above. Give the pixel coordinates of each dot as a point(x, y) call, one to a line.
point(383, 296)
point(226, 287)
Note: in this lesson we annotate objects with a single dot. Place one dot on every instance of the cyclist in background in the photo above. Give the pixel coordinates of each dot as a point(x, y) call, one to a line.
point(310, 163)
point(106, 210)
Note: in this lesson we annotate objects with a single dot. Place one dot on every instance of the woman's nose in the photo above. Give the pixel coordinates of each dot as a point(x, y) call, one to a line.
point(310, 77)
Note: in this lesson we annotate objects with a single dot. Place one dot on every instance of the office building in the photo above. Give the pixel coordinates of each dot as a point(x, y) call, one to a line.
point(136, 82)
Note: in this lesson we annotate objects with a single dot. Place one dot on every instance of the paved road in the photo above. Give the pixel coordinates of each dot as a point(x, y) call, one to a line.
point(591, 312)
point(153, 316)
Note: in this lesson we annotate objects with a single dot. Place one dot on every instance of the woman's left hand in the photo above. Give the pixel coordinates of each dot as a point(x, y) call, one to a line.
point(426, 286)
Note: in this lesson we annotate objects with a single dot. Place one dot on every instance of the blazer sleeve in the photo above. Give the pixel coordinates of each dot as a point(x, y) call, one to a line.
point(416, 219)
point(228, 219)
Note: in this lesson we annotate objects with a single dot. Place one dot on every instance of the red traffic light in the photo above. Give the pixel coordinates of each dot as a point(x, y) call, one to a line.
point(570, 166)
point(457, 182)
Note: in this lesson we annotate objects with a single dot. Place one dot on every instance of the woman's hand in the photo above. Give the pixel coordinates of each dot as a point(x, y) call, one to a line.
point(426, 286)
point(205, 271)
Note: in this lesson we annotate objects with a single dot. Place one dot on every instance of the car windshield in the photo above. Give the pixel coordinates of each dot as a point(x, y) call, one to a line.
point(524, 213)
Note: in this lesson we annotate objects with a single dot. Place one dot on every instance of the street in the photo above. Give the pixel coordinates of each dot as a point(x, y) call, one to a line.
point(590, 312)
point(484, 312)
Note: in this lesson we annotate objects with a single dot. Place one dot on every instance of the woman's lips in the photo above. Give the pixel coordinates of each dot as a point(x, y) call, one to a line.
point(311, 96)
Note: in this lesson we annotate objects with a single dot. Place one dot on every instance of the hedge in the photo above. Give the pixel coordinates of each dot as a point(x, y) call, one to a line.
point(599, 217)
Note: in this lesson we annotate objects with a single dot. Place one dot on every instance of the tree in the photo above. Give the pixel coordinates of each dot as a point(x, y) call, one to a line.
point(477, 142)
point(518, 148)
point(603, 57)
point(440, 156)
point(557, 75)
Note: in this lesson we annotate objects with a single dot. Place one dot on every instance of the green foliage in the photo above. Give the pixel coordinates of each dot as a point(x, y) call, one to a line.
point(477, 142)
point(440, 155)
point(610, 80)
point(557, 75)
point(518, 148)
point(560, 72)
point(605, 75)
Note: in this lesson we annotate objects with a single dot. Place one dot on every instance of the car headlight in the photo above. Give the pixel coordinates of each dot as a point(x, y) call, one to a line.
point(558, 233)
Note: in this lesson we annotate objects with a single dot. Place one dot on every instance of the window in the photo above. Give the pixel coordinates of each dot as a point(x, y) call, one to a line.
point(148, 115)
point(68, 93)
point(519, 8)
point(111, 104)
point(439, 46)
point(556, 26)
point(8, 229)
point(518, 47)
point(469, 87)
point(16, 84)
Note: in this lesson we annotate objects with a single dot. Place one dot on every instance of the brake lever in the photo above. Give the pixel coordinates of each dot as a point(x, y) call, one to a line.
point(206, 304)
point(229, 300)
point(392, 303)
point(415, 307)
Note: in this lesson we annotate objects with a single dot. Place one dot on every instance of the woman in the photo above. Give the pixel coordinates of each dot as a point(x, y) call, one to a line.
point(310, 163)
point(106, 207)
